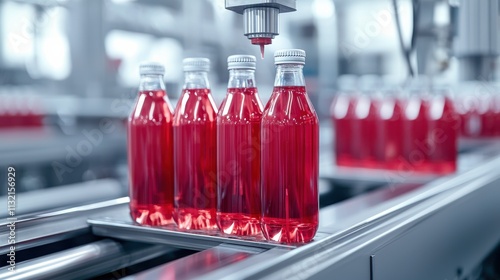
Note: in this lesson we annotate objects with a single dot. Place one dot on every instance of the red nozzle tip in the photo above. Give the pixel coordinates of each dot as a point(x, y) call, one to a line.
point(261, 42)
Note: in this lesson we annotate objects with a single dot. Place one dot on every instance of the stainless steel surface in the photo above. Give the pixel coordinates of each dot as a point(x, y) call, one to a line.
point(333, 172)
point(346, 252)
point(477, 67)
point(350, 232)
point(198, 264)
point(58, 265)
point(472, 153)
point(239, 6)
point(18, 147)
point(426, 41)
point(261, 22)
point(42, 228)
point(477, 40)
point(122, 227)
point(82, 262)
point(263, 257)
point(261, 18)
point(477, 28)
point(430, 241)
point(66, 196)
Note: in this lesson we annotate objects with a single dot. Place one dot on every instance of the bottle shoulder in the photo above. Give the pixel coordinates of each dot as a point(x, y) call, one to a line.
point(195, 106)
point(240, 107)
point(151, 109)
point(290, 106)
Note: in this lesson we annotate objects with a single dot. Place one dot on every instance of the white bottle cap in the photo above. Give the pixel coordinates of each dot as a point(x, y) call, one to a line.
point(196, 64)
point(151, 68)
point(241, 61)
point(294, 56)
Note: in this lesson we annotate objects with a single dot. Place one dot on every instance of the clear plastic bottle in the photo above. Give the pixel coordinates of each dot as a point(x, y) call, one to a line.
point(487, 108)
point(365, 121)
point(238, 126)
point(3, 111)
point(195, 152)
point(416, 149)
point(290, 139)
point(460, 108)
point(496, 102)
point(389, 147)
point(443, 131)
point(150, 150)
point(342, 115)
point(470, 110)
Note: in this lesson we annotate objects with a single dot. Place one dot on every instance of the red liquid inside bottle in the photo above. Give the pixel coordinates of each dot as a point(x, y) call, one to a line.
point(238, 123)
point(12, 114)
point(150, 152)
point(461, 113)
point(390, 128)
point(238, 160)
point(3, 112)
point(195, 154)
point(416, 149)
point(443, 130)
point(487, 116)
point(342, 114)
point(470, 116)
point(34, 117)
point(497, 115)
point(365, 131)
point(290, 138)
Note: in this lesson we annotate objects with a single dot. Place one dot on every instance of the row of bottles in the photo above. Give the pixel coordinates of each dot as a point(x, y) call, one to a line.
point(20, 112)
point(412, 130)
point(242, 168)
point(478, 106)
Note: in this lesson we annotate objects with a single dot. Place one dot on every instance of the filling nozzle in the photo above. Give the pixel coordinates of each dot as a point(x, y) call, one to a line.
point(261, 18)
point(261, 25)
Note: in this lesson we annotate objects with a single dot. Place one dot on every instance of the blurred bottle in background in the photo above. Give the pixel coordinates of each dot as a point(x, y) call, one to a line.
point(477, 105)
point(34, 112)
point(496, 106)
point(389, 140)
point(364, 124)
point(486, 96)
point(150, 150)
point(443, 131)
point(416, 149)
point(238, 160)
point(342, 116)
point(3, 111)
point(195, 152)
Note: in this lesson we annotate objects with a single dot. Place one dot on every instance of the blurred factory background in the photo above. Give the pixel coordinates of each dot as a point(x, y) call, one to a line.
point(69, 76)
point(75, 63)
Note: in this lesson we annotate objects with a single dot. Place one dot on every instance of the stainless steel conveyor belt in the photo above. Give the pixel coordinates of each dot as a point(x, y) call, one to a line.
point(400, 231)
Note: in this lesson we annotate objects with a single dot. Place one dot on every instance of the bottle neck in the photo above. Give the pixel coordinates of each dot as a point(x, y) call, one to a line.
point(152, 82)
point(196, 80)
point(241, 78)
point(289, 75)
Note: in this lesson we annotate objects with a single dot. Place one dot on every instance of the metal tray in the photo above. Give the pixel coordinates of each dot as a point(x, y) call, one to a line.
point(124, 228)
